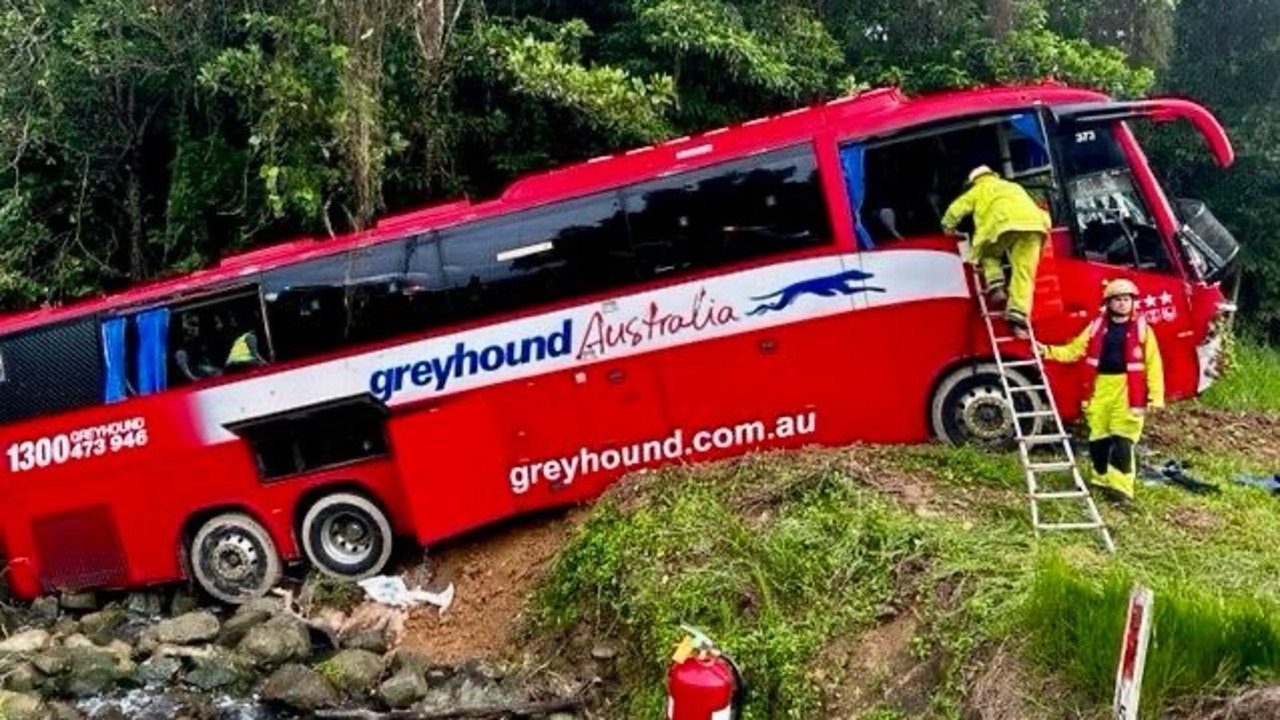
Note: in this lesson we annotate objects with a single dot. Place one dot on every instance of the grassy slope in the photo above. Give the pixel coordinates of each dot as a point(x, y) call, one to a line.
point(879, 582)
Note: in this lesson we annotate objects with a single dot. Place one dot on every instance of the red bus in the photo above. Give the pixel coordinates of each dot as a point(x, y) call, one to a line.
point(772, 284)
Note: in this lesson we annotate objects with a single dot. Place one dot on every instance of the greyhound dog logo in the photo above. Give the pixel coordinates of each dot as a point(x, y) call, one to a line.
point(826, 286)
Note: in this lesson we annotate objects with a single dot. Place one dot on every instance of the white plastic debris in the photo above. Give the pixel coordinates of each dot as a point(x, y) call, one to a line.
point(391, 590)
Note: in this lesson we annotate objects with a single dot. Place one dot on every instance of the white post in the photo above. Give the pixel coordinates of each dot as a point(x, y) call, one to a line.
point(1133, 653)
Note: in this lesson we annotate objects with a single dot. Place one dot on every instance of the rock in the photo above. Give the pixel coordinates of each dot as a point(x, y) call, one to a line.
point(269, 605)
point(83, 601)
point(63, 711)
point(131, 631)
point(472, 694)
point(194, 627)
point(352, 671)
point(24, 678)
point(562, 716)
point(412, 660)
point(44, 610)
point(279, 640)
point(20, 706)
point(220, 670)
point(403, 689)
point(482, 671)
point(239, 625)
point(64, 626)
point(121, 649)
point(159, 670)
point(375, 641)
point(109, 712)
point(183, 602)
point(100, 626)
point(438, 677)
point(78, 641)
point(54, 661)
point(603, 652)
point(26, 642)
point(93, 672)
point(144, 604)
point(299, 687)
point(148, 642)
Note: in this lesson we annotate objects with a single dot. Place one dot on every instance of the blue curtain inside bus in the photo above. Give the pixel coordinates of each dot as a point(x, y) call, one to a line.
point(1029, 127)
point(153, 351)
point(852, 158)
point(113, 360)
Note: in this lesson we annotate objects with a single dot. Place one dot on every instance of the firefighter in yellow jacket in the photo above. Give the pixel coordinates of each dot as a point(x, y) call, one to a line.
point(1124, 377)
point(1006, 220)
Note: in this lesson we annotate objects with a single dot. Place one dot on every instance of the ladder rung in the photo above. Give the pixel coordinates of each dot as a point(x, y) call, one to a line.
point(1062, 495)
point(1027, 388)
point(1034, 413)
point(1070, 526)
point(1021, 363)
point(1051, 466)
point(1040, 439)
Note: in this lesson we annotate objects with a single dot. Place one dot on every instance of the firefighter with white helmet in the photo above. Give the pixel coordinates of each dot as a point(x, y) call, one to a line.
point(1006, 220)
point(1124, 376)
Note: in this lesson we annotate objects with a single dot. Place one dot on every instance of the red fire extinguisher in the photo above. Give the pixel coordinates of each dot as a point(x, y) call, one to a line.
point(703, 683)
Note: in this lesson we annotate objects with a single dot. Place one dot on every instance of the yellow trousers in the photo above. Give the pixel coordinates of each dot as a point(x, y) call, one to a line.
point(1023, 249)
point(1114, 429)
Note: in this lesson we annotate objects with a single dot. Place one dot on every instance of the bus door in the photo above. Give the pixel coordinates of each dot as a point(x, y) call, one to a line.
point(899, 187)
point(1123, 226)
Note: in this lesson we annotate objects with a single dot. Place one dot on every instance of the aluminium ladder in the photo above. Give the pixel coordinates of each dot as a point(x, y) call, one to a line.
point(1055, 436)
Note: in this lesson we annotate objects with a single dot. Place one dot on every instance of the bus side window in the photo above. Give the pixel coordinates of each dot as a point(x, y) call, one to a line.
point(547, 254)
point(52, 369)
point(728, 213)
point(909, 183)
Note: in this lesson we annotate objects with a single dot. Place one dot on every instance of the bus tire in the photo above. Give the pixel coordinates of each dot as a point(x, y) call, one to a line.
point(968, 407)
point(234, 559)
point(347, 536)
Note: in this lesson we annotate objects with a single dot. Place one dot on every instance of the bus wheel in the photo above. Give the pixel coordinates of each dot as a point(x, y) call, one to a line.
point(969, 408)
point(234, 559)
point(347, 537)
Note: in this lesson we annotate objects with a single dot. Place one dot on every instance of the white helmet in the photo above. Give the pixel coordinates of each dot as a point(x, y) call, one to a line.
point(979, 172)
point(1118, 287)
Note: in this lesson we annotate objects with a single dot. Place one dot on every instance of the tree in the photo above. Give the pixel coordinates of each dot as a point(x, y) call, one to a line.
point(1227, 56)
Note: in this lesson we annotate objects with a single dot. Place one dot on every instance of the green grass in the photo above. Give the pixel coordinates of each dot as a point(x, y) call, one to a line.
point(785, 558)
point(1201, 639)
point(1252, 380)
point(780, 556)
point(773, 591)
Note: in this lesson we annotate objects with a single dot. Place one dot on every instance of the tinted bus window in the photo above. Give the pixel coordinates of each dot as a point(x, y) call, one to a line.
point(765, 205)
point(364, 295)
point(538, 256)
point(51, 369)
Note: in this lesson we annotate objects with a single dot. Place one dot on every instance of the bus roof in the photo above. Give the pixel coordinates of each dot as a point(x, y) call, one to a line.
point(872, 112)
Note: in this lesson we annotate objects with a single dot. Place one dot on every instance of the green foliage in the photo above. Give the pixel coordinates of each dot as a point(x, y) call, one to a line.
point(626, 108)
point(288, 78)
point(1201, 640)
point(1040, 53)
point(1251, 383)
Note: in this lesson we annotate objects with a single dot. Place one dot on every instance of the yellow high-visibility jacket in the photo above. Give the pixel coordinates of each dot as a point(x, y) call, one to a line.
point(998, 206)
point(1153, 364)
point(242, 350)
